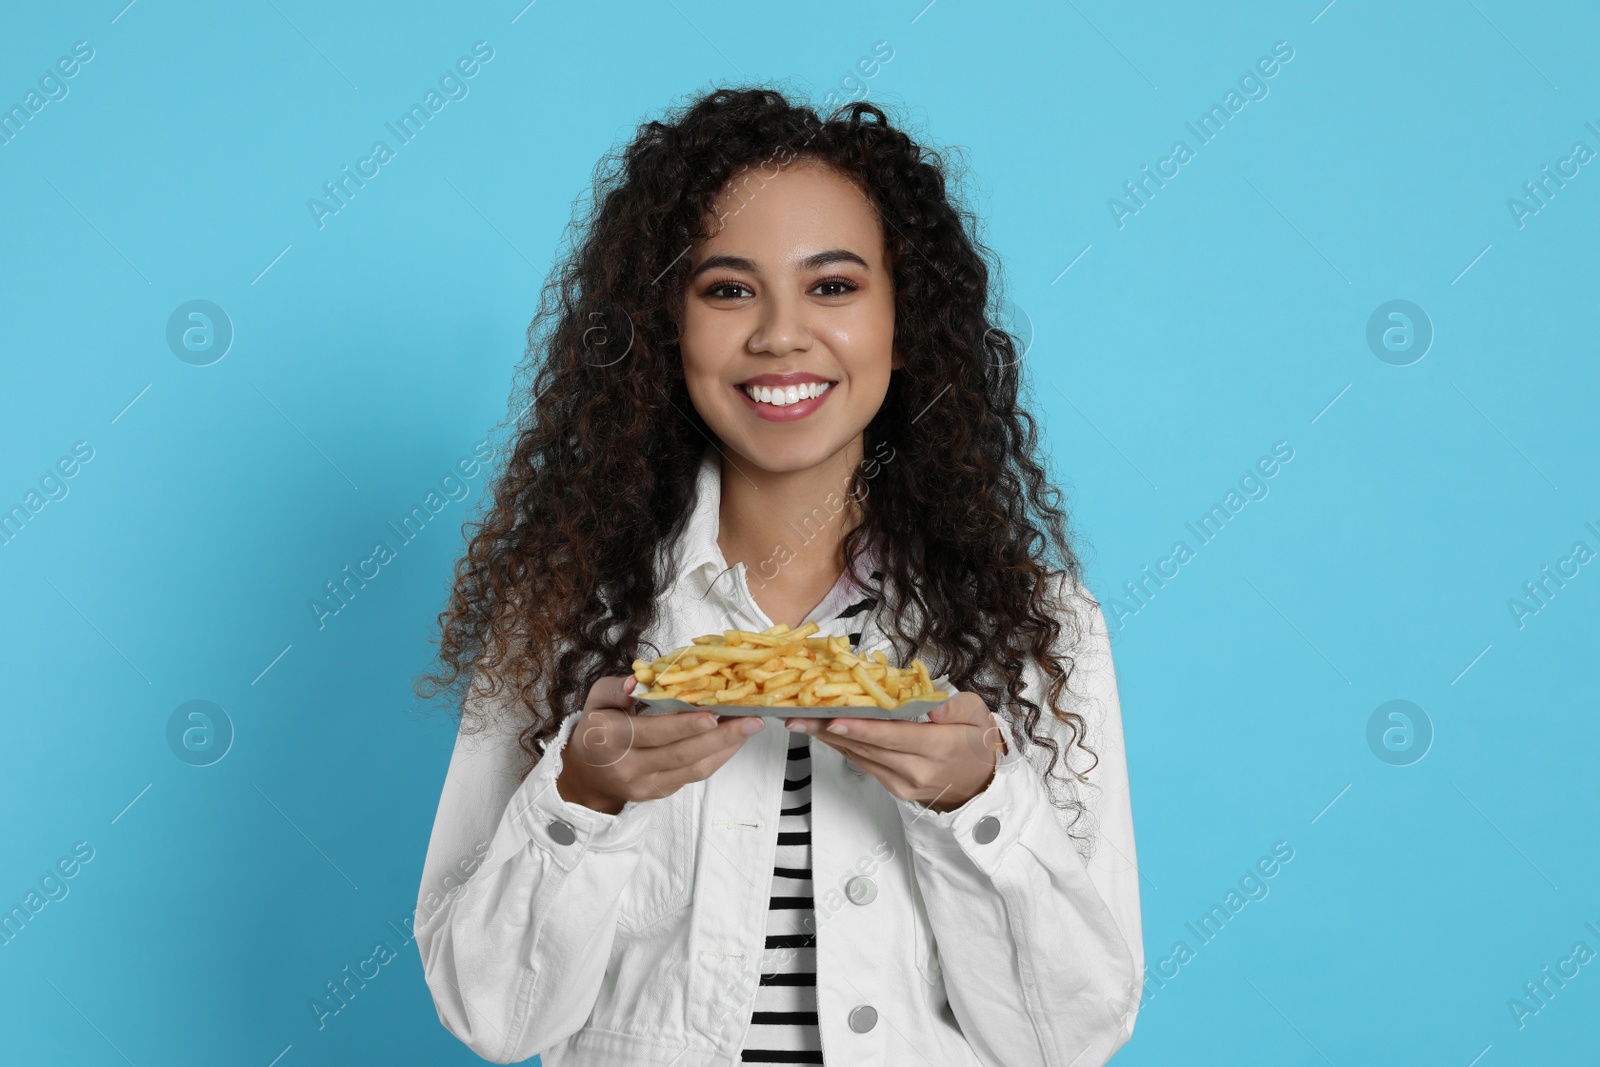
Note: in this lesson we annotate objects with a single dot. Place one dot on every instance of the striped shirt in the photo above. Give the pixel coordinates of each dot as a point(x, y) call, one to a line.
point(783, 1024)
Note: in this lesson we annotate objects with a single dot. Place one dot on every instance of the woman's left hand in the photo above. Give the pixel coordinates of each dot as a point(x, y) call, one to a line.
point(940, 764)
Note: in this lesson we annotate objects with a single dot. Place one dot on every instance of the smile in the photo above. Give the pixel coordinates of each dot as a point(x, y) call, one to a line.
point(781, 397)
point(785, 403)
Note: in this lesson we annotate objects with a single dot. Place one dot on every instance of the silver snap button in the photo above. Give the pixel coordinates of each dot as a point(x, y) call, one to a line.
point(863, 1018)
point(987, 830)
point(861, 889)
point(562, 833)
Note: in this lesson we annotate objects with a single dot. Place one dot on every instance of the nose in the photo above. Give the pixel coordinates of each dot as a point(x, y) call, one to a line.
point(781, 328)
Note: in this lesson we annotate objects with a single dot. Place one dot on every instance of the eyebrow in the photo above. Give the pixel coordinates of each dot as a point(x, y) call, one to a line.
point(811, 262)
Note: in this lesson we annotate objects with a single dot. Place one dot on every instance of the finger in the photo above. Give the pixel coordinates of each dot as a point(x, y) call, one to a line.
point(902, 764)
point(963, 708)
point(653, 731)
point(933, 744)
point(668, 780)
point(906, 777)
point(722, 737)
point(925, 740)
point(969, 709)
point(602, 737)
point(888, 776)
point(606, 737)
point(609, 692)
point(890, 734)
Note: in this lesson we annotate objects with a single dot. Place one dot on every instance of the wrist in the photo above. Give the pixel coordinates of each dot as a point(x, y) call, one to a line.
point(575, 790)
point(948, 802)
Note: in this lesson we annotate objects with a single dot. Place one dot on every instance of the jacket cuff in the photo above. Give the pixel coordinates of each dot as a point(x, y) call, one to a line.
point(566, 830)
point(986, 825)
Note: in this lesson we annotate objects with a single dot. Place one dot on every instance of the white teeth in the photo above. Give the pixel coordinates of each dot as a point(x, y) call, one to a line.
point(784, 396)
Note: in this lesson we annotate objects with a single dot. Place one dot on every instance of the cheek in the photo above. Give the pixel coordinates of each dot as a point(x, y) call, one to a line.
point(706, 395)
point(870, 368)
point(697, 357)
point(867, 350)
point(878, 335)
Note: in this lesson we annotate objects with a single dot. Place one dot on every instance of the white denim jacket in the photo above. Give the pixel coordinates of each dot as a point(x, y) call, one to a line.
point(636, 939)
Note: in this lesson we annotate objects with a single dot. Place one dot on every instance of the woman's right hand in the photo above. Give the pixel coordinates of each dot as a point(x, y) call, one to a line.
point(614, 755)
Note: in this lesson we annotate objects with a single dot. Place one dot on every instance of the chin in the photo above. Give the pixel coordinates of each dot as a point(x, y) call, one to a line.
point(786, 457)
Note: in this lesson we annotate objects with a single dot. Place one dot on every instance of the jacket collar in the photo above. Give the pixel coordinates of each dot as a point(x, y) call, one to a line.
point(699, 558)
point(699, 561)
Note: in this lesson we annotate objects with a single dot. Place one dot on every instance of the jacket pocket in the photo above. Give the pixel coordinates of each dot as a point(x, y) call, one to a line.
point(662, 883)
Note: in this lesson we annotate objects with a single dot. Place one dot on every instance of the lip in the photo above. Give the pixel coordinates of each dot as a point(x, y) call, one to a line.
point(789, 412)
point(790, 378)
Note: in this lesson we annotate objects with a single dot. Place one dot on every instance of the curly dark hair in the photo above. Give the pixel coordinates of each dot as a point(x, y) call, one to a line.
point(561, 575)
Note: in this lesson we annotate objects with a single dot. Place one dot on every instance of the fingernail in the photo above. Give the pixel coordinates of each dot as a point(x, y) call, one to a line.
point(797, 727)
point(629, 685)
point(705, 722)
point(751, 724)
point(838, 728)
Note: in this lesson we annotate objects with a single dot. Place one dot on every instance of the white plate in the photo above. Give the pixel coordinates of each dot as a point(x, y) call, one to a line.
point(910, 710)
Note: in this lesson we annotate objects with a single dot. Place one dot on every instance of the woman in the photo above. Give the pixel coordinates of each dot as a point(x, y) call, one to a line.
point(767, 391)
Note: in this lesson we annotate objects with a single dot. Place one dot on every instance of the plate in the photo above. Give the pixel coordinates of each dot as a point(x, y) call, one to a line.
point(910, 710)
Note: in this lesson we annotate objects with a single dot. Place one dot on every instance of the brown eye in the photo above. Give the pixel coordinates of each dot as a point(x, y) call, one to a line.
point(842, 286)
point(718, 290)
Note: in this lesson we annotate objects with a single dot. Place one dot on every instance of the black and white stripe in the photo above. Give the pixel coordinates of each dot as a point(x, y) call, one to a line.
point(783, 1025)
point(864, 604)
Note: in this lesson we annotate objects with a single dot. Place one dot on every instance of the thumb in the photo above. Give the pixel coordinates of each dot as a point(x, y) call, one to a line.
point(967, 708)
point(611, 692)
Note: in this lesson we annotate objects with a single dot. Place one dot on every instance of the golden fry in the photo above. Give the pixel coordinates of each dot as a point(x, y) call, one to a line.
point(671, 677)
point(724, 654)
point(734, 694)
point(780, 667)
point(782, 678)
point(873, 689)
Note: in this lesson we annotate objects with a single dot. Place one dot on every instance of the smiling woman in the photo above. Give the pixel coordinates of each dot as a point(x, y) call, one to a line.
point(802, 293)
point(788, 348)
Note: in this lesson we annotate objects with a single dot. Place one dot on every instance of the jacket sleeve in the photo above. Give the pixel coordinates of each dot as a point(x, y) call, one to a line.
point(515, 923)
point(1042, 951)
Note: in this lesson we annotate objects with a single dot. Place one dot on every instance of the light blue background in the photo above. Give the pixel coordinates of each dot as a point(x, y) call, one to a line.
point(1224, 317)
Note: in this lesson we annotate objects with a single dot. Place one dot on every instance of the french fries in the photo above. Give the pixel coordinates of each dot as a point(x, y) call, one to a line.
point(781, 668)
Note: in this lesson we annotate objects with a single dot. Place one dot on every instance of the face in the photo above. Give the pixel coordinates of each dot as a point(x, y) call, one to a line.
point(790, 300)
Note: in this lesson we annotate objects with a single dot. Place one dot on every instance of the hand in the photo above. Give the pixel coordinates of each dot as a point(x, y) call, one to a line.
point(614, 755)
point(940, 764)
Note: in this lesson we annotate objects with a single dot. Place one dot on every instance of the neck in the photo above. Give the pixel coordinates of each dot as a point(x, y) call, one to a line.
point(788, 527)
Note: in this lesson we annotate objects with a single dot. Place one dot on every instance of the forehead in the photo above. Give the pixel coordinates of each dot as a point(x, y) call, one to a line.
point(802, 206)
